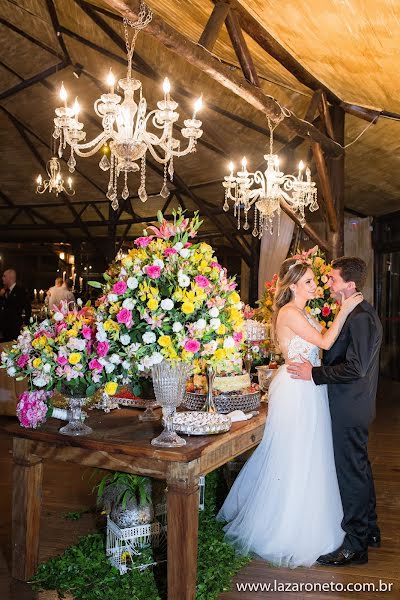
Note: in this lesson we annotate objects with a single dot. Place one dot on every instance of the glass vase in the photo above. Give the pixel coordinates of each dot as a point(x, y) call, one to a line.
point(76, 425)
point(169, 381)
point(209, 405)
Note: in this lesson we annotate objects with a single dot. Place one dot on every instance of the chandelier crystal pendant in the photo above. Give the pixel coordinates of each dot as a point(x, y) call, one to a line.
point(124, 122)
point(55, 183)
point(273, 187)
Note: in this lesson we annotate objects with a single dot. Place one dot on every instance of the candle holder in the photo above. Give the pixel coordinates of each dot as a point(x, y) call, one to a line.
point(254, 332)
point(209, 405)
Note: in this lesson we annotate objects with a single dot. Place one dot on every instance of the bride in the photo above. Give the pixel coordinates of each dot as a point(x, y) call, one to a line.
point(285, 504)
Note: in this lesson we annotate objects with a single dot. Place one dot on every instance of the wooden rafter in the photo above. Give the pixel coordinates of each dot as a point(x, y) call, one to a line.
point(326, 116)
point(200, 58)
point(56, 26)
point(326, 189)
point(214, 24)
point(312, 234)
point(240, 47)
point(39, 77)
point(31, 39)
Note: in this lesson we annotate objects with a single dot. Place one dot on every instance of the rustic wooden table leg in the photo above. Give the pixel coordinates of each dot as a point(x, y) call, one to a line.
point(27, 497)
point(182, 520)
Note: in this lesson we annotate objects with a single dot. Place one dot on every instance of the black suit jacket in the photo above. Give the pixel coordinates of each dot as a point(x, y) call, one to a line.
point(12, 309)
point(351, 369)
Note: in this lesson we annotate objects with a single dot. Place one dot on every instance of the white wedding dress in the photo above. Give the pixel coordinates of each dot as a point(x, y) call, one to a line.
point(285, 504)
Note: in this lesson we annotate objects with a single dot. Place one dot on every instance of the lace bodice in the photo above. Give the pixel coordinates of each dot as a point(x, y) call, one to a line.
point(298, 347)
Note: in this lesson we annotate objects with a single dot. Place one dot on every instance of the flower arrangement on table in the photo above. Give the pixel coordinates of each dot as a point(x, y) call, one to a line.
point(61, 353)
point(323, 307)
point(169, 298)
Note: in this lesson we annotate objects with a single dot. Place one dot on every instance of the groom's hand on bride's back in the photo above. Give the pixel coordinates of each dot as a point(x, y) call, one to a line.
point(300, 370)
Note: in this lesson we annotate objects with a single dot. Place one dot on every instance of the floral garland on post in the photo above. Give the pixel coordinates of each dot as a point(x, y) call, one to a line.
point(62, 353)
point(170, 298)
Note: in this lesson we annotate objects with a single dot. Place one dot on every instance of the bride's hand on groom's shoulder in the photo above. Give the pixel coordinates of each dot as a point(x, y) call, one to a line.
point(349, 304)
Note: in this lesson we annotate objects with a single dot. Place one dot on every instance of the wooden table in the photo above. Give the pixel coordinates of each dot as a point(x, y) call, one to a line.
point(120, 442)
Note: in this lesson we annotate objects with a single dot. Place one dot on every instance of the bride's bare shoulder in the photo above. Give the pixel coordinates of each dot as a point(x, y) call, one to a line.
point(286, 313)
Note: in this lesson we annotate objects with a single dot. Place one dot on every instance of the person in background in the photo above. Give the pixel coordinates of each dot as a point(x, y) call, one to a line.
point(53, 291)
point(60, 292)
point(15, 307)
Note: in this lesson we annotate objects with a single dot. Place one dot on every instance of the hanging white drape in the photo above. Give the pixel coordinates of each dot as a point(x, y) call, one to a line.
point(358, 242)
point(273, 251)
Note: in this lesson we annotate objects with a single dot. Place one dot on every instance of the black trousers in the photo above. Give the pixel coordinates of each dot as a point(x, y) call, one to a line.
point(356, 484)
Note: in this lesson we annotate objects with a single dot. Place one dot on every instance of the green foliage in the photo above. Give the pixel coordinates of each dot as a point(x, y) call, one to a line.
point(84, 571)
point(132, 487)
point(75, 515)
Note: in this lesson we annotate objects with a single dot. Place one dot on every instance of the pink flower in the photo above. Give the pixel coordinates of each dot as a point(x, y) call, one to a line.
point(86, 332)
point(102, 348)
point(95, 364)
point(202, 281)
point(62, 360)
point(170, 251)
point(143, 241)
point(153, 271)
point(125, 316)
point(238, 336)
point(120, 287)
point(23, 360)
point(32, 408)
point(326, 311)
point(192, 346)
point(60, 326)
point(215, 265)
point(165, 231)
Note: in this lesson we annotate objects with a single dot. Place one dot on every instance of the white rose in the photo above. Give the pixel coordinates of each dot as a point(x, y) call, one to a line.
point(149, 337)
point(79, 302)
point(140, 366)
point(109, 367)
point(167, 304)
point(147, 362)
point(126, 365)
point(215, 323)
point(317, 311)
point(112, 298)
point(58, 316)
point(134, 347)
point(47, 368)
point(176, 327)
point(229, 342)
point(128, 303)
point(11, 371)
point(39, 381)
point(103, 361)
point(159, 263)
point(101, 336)
point(123, 272)
point(125, 339)
point(184, 252)
point(183, 280)
point(115, 359)
point(213, 312)
point(132, 283)
point(156, 358)
point(178, 246)
point(200, 324)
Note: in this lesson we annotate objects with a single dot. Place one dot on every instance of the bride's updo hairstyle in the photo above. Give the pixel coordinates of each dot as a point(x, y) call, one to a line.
point(291, 271)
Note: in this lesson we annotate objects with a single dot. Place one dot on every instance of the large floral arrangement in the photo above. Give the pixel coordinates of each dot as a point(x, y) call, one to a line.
point(264, 310)
point(170, 298)
point(63, 352)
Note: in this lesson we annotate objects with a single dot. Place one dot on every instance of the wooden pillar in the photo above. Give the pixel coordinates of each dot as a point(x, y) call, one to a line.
point(336, 167)
point(182, 521)
point(112, 233)
point(244, 281)
point(214, 25)
point(255, 261)
point(27, 499)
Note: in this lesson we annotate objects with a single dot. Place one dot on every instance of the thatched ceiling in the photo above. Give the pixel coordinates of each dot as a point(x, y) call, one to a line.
point(351, 47)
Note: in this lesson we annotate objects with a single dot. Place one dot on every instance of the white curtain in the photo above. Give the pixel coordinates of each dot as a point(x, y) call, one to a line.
point(358, 242)
point(273, 251)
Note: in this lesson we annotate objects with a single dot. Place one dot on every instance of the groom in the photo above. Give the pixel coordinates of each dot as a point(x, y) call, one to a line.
point(351, 368)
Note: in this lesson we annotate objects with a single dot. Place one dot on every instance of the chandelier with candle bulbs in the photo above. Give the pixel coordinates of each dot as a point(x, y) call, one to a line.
point(273, 187)
point(125, 122)
point(55, 183)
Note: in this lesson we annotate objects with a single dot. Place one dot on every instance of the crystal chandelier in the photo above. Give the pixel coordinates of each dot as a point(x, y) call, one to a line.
point(274, 186)
point(55, 182)
point(124, 122)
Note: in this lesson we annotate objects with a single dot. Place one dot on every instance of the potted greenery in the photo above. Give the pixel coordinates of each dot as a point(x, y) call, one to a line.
point(126, 498)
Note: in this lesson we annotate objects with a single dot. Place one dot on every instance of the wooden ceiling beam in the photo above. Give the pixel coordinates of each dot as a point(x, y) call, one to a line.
point(31, 39)
point(326, 187)
point(214, 24)
point(326, 116)
point(201, 58)
point(240, 47)
point(313, 106)
point(368, 114)
point(56, 27)
point(312, 234)
point(38, 78)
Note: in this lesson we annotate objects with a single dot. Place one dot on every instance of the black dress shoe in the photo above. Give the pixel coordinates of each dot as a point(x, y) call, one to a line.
point(343, 556)
point(374, 539)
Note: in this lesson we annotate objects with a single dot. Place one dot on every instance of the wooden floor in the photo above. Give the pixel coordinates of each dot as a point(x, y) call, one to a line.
point(68, 488)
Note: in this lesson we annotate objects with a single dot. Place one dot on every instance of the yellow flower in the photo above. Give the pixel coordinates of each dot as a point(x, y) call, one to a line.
point(127, 261)
point(322, 323)
point(329, 324)
point(111, 387)
point(203, 267)
point(72, 333)
point(187, 308)
point(308, 309)
point(234, 298)
point(178, 294)
point(185, 355)
point(169, 352)
point(152, 304)
point(164, 341)
point(40, 342)
point(220, 354)
point(74, 358)
point(318, 261)
point(324, 279)
point(319, 292)
point(37, 362)
point(221, 329)
point(110, 325)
